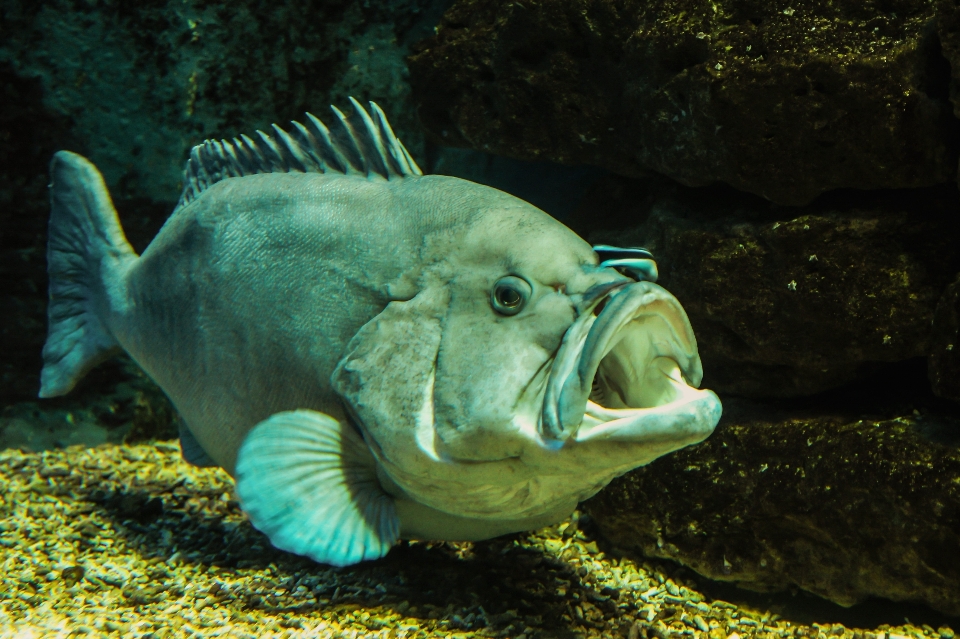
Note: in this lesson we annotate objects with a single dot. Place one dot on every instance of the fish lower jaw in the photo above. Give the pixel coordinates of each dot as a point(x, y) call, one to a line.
point(677, 412)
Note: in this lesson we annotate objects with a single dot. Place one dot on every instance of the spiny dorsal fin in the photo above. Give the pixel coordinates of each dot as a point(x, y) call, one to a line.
point(366, 146)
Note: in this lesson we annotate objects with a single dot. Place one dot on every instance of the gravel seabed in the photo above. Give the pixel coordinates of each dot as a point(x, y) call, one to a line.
point(130, 541)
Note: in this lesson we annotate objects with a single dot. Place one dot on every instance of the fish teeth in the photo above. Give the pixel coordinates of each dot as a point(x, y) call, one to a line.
point(596, 392)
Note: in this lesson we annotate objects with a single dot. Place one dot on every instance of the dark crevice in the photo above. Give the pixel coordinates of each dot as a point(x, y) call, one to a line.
point(935, 78)
point(883, 390)
point(795, 605)
point(935, 83)
point(29, 135)
point(689, 52)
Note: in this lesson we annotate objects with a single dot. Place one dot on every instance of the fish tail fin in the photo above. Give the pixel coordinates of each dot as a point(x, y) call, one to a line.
point(87, 257)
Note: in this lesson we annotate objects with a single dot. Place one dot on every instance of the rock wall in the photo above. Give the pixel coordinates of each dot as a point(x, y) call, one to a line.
point(783, 99)
point(842, 507)
point(789, 301)
point(139, 84)
point(816, 257)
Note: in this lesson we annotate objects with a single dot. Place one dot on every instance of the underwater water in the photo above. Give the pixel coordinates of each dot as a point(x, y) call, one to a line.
point(404, 371)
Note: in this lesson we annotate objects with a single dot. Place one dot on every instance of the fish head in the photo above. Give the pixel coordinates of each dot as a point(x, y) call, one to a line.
point(524, 373)
point(515, 282)
point(543, 347)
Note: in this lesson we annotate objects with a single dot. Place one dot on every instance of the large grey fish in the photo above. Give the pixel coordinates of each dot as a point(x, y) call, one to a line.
point(371, 352)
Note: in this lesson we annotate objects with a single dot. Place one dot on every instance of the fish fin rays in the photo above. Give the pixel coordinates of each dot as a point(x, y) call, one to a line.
point(191, 450)
point(360, 145)
point(310, 484)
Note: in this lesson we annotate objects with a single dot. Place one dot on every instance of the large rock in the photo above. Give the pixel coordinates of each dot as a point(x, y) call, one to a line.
point(787, 301)
point(783, 99)
point(841, 507)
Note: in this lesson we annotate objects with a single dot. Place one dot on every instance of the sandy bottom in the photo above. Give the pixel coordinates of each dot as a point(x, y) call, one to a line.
point(129, 541)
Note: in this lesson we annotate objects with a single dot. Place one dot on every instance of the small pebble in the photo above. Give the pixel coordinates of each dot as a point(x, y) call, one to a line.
point(701, 624)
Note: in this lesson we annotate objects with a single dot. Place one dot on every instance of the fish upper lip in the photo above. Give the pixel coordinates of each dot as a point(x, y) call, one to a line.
point(592, 337)
point(599, 293)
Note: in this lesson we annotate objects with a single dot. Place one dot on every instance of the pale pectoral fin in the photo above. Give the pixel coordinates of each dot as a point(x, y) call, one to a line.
point(191, 450)
point(310, 484)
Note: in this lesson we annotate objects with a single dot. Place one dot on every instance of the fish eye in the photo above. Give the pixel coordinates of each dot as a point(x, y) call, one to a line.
point(509, 295)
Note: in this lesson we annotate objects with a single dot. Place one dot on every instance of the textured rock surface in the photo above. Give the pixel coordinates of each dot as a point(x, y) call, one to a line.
point(787, 301)
point(844, 508)
point(140, 84)
point(944, 361)
point(783, 99)
point(948, 31)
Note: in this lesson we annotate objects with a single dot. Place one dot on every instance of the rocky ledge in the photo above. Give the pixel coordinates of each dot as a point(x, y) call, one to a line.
point(846, 508)
point(783, 99)
point(790, 301)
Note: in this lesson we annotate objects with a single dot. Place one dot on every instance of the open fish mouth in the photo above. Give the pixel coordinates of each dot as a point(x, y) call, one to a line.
point(628, 370)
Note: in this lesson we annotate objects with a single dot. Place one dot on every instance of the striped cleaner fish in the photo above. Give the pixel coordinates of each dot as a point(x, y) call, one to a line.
point(371, 352)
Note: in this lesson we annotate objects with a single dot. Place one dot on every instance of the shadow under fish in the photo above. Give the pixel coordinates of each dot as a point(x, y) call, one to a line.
point(371, 352)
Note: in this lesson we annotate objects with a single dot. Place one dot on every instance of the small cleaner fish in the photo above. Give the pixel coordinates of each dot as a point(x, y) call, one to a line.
point(373, 353)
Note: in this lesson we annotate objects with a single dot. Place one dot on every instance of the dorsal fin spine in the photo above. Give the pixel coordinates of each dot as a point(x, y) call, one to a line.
point(244, 155)
point(352, 145)
point(215, 153)
point(234, 159)
point(313, 147)
point(379, 158)
point(189, 180)
point(199, 173)
point(411, 163)
point(229, 161)
point(364, 146)
point(274, 164)
point(203, 177)
point(385, 134)
point(326, 145)
point(211, 158)
point(257, 161)
point(291, 147)
point(226, 149)
point(281, 163)
point(398, 151)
